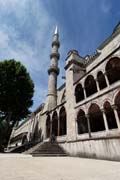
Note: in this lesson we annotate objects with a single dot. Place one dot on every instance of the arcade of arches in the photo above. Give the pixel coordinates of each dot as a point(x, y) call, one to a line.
point(91, 86)
point(57, 124)
point(94, 121)
point(99, 120)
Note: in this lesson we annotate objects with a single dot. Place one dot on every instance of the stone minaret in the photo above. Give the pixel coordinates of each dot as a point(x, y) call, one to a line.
point(53, 72)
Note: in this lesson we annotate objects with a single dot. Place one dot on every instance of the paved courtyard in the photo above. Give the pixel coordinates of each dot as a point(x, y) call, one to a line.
point(25, 167)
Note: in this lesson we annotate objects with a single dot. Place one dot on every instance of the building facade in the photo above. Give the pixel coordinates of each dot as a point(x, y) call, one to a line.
point(84, 113)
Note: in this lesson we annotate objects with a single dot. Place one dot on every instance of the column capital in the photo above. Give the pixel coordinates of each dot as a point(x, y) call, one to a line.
point(114, 106)
point(103, 110)
point(105, 73)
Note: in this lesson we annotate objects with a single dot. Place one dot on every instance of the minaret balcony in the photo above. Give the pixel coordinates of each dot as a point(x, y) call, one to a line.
point(56, 43)
point(55, 54)
point(53, 69)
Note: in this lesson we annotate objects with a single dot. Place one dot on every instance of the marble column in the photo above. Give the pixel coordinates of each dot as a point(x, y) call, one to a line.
point(85, 96)
point(105, 120)
point(106, 79)
point(88, 122)
point(58, 126)
point(116, 116)
point(97, 84)
point(76, 127)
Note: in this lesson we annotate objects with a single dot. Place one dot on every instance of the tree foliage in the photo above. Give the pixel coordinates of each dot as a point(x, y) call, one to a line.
point(16, 91)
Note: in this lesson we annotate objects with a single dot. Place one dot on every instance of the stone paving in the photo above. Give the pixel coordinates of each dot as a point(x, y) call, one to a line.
point(25, 167)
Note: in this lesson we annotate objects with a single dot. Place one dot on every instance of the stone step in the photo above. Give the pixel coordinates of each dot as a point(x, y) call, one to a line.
point(48, 152)
point(52, 149)
point(49, 155)
point(32, 149)
point(49, 149)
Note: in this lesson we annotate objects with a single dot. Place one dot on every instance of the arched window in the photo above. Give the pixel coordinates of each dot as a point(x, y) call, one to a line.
point(48, 127)
point(55, 124)
point(79, 94)
point(117, 103)
point(101, 80)
point(96, 118)
point(62, 116)
point(82, 125)
point(90, 86)
point(113, 70)
point(110, 115)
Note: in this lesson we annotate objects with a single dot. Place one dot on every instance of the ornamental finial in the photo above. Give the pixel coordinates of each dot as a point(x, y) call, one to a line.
point(56, 30)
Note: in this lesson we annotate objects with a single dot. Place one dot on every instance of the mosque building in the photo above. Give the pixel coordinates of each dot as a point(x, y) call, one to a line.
point(84, 113)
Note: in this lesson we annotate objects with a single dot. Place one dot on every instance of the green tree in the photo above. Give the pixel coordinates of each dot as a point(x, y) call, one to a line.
point(16, 91)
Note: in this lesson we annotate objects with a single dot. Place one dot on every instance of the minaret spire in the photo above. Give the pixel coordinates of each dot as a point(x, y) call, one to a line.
point(56, 30)
point(53, 71)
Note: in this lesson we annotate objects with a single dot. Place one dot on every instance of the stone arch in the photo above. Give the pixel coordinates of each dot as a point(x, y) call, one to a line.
point(82, 125)
point(110, 116)
point(116, 92)
point(24, 140)
point(96, 118)
point(117, 103)
point(79, 93)
point(90, 85)
point(101, 80)
point(99, 70)
point(96, 101)
point(48, 126)
point(113, 70)
point(62, 121)
point(55, 123)
point(106, 100)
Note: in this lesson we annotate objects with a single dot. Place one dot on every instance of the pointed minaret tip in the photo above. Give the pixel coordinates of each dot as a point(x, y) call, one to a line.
point(56, 30)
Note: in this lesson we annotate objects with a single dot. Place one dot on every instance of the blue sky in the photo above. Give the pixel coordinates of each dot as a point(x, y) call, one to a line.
point(27, 26)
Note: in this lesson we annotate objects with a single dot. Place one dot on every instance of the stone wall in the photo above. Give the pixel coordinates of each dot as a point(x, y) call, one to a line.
point(99, 148)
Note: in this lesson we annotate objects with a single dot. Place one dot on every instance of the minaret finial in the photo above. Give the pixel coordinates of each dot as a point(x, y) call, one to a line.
point(56, 30)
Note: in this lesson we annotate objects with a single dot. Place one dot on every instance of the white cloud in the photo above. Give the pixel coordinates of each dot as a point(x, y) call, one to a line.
point(3, 40)
point(33, 49)
point(8, 6)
